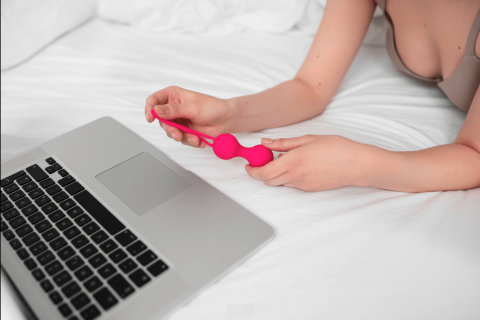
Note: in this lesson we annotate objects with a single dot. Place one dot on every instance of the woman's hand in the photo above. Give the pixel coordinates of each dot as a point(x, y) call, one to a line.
point(206, 114)
point(313, 163)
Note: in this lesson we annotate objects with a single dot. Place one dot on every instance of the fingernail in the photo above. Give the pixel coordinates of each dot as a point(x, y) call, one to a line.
point(160, 110)
point(266, 140)
point(173, 136)
point(191, 141)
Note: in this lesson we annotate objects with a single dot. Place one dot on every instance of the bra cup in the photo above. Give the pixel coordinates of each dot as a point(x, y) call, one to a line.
point(463, 84)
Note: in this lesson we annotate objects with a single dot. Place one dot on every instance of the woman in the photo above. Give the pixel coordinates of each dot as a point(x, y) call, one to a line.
point(434, 40)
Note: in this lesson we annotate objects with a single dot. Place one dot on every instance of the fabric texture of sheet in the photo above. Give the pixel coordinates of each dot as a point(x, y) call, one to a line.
point(350, 253)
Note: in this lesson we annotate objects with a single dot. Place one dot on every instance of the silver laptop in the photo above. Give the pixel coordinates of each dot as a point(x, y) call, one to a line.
point(99, 224)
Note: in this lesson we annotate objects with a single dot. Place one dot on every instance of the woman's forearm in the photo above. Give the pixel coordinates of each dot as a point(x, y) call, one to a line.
point(289, 102)
point(447, 167)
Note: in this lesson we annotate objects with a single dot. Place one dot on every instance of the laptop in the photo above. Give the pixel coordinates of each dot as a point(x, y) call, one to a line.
point(99, 224)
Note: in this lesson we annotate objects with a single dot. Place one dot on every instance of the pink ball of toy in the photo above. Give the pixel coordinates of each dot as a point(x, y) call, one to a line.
point(225, 146)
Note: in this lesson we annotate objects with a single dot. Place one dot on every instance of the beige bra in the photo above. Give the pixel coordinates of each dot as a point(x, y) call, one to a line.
point(462, 85)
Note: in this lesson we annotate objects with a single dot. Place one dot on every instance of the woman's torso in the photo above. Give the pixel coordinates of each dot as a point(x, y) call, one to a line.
point(430, 35)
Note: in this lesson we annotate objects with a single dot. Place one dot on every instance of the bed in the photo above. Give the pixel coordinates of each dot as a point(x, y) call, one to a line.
point(349, 253)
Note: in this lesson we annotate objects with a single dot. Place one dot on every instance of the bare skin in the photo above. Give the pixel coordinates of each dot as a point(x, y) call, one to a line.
point(430, 38)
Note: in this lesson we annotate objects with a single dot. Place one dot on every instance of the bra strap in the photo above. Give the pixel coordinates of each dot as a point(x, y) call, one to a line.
point(472, 36)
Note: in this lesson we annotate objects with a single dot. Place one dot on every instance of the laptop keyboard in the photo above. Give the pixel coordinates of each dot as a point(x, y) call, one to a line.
point(82, 256)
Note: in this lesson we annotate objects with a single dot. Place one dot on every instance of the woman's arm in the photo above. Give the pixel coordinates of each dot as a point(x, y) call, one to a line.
point(340, 34)
point(454, 166)
point(315, 163)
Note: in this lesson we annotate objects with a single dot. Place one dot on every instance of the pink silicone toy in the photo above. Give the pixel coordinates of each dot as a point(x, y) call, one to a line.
point(226, 146)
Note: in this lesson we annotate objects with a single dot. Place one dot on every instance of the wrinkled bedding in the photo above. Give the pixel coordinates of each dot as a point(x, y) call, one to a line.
point(350, 253)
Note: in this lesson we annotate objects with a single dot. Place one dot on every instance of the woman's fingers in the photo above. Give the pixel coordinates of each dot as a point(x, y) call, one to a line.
point(185, 138)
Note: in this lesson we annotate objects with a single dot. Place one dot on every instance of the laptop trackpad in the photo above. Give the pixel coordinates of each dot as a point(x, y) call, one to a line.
point(143, 183)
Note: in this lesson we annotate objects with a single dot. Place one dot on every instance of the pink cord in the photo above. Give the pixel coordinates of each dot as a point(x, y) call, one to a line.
point(188, 130)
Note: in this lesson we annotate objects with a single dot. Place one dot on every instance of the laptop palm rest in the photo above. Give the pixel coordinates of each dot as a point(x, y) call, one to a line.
point(143, 183)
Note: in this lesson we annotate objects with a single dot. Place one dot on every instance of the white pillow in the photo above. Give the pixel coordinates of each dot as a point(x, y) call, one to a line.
point(28, 26)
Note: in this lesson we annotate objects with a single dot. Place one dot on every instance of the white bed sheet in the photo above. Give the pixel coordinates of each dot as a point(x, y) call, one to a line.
point(350, 253)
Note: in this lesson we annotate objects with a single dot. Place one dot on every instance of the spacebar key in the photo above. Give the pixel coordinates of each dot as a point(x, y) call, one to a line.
point(99, 212)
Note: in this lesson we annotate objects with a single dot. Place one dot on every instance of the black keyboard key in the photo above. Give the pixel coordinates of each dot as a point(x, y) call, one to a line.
point(38, 248)
point(74, 188)
point(49, 235)
point(23, 179)
point(50, 161)
point(45, 257)
point(65, 310)
point(42, 226)
point(91, 228)
point(57, 166)
point(147, 257)
point(157, 268)
point(108, 246)
point(56, 297)
point(37, 173)
point(79, 241)
point(83, 273)
point(71, 233)
point(4, 226)
point(58, 243)
point(17, 222)
point(57, 215)
point(46, 285)
point(64, 224)
point(30, 239)
point(140, 278)
point(107, 270)
point(99, 212)
point(62, 278)
point(30, 264)
point(28, 210)
point(22, 253)
point(67, 204)
point(15, 244)
point(71, 289)
point(53, 268)
point(63, 172)
point(14, 196)
point(125, 237)
point(75, 212)
point(38, 274)
point(8, 234)
point(93, 284)
point(127, 266)
point(36, 218)
point(80, 301)
point(66, 253)
point(35, 193)
point(3, 198)
point(53, 189)
point(117, 255)
point(136, 248)
point(105, 298)
point(75, 263)
point(121, 286)
point(99, 237)
point(97, 260)
point(88, 251)
point(49, 208)
point(6, 205)
point(23, 230)
point(29, 186)
point(10, 214)
point(66, 181)
point(11, 188)
point(46, 183)
point(83, 220)
point(59, 197)
point(42, 200)
point(90, 313)
point(23, 202)
point(50, 169)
